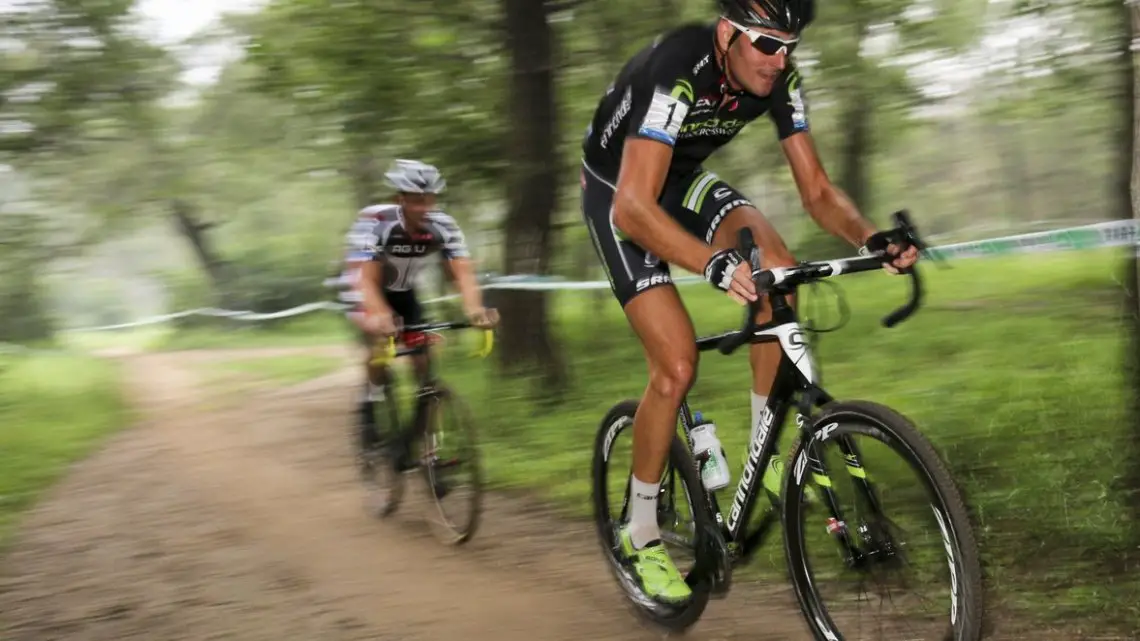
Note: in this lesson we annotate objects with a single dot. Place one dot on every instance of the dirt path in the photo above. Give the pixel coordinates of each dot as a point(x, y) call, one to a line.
point(244, 521)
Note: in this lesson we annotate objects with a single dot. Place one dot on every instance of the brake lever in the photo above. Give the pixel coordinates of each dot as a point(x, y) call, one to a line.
point(906, 227)
point(911, 306)
point(747, 246)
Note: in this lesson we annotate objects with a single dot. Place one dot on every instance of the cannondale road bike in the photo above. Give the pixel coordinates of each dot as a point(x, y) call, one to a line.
point(867, 541)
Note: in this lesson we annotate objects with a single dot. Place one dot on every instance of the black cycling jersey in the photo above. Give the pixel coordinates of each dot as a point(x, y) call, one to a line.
point(670, 91)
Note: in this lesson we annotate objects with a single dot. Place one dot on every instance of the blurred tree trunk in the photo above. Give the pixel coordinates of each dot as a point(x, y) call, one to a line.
point(854, 175)
point(194, 231)
point(1128, 188)
point(364, 176)
point(532, 192)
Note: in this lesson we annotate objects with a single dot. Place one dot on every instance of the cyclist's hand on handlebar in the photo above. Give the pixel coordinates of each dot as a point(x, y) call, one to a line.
point(728, 272)
point(900, 260)
point(483, 317)
point(380, 324)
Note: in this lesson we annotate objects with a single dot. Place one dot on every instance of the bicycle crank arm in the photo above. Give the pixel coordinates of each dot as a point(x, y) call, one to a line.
point(713, 563)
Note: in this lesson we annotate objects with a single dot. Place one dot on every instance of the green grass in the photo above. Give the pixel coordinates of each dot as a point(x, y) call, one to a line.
point(1013, 369)
point(54, 409)
point(286, 369)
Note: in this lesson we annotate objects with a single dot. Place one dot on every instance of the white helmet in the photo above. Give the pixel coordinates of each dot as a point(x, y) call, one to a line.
point(415, 177)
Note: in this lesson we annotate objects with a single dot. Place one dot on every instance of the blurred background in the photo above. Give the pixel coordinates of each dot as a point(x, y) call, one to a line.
point(158, 156)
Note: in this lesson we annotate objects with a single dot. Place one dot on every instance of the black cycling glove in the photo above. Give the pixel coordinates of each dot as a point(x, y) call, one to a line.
point(876, 242)
point(720, 267)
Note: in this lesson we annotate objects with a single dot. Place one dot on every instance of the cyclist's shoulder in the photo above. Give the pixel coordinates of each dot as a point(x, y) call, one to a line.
point(675, 53)
point(691, 36)
point(440, 217)
point(688, 47)
point(378, 212)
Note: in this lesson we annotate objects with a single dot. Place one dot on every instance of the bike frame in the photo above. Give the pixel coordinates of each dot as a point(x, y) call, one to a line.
point(426, 388)
point(796, 376)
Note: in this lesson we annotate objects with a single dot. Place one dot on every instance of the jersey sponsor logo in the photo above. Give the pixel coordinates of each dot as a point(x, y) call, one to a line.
point(619, 115)
point(663, 119)
point(712, 127)
point(701, 64)
point(705, 104)
point(799, 116)
point(683, 90)
point(407, 249)
point(721, 193)
point(796, 101)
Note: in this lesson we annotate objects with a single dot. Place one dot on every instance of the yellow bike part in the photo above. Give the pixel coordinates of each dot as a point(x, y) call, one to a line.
point(488, 344)
point(384, 355)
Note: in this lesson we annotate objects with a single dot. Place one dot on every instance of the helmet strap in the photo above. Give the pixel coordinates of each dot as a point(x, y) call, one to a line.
point(726, 77)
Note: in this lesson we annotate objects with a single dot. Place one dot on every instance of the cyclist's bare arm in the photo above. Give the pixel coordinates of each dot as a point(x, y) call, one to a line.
point(644, 165)
point(461, 272)
point(831, 209)
point(370, 290)
point(636, 212)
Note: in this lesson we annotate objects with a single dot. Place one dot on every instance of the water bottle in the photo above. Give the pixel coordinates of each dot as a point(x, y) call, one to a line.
point(714, 471)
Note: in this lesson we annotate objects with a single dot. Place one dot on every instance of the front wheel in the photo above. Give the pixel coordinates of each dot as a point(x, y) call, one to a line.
point(682, 514)
point(451, 465)
point(867, 542)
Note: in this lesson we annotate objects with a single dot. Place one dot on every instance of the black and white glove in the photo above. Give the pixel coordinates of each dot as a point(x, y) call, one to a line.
point(720, 268)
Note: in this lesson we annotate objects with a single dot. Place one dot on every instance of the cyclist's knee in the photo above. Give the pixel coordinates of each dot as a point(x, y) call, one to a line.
point(774, 252)
point(673, 379)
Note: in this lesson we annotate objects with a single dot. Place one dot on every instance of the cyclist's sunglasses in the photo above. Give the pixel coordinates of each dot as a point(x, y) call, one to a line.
point(767, 43)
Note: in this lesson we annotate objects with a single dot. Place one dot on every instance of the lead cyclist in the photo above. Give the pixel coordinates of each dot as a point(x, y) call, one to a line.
point(648, 202)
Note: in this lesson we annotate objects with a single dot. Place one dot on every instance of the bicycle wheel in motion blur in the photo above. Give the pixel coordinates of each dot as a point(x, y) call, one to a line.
point(451, 465)
point(884, 549)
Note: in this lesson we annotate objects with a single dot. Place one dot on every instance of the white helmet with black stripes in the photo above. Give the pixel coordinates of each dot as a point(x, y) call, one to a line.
point(414, 177)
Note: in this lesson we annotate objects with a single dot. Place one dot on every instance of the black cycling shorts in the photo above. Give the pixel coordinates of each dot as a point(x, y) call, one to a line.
point(404, 306)
point(699, 201)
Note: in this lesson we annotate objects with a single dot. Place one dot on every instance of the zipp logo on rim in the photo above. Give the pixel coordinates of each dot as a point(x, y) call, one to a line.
point(611, 433)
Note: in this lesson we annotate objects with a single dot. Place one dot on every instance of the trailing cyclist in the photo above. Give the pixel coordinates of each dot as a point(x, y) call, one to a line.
point(648, 202)
point(399, 244)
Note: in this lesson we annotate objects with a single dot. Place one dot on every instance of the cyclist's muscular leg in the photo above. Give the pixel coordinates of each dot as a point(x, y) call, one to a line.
point(765, 357)
point(644, 289)
point(667, 337)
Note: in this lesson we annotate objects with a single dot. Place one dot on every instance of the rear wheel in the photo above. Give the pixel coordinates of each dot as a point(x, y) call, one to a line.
point(682, 514)
point(377, 464)
point(867, 464)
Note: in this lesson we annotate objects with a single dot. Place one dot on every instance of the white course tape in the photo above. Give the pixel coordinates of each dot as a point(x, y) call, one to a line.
point(1114, 233)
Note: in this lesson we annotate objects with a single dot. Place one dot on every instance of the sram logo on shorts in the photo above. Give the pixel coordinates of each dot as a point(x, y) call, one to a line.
point(656, 279)
point(719, 218)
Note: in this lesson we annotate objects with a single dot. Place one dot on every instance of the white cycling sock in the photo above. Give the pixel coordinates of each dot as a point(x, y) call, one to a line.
point(643, 512)
point(758, 404)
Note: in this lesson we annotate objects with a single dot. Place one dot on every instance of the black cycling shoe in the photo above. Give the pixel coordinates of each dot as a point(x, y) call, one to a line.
point(400, 456)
